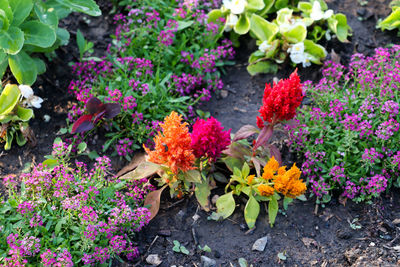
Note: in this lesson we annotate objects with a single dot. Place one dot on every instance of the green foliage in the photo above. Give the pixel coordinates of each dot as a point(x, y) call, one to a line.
point(14, 117)
point(28, 26)
point(392, 21)
point(284, 30)
point(83, 45)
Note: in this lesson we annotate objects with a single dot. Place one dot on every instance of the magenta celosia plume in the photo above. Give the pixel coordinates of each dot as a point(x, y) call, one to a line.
point(209, 138)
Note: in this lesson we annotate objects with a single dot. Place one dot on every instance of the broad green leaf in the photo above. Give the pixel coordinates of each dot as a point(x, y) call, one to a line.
point(24, 114)
point(38, 34)
point(214, 15)
point(23, 68)
point(251, 212)
point(21, 10)
point(19, 137)
point(184, 24)
point(316, 51)
point(61, 10)
point(272, 210)
point(284, 15)
point(12, 40)
point(226, 205)
point(4, 22)
point(245, 170)
point(9, 98)
point(243, 25)
point(3, 63)
point(50, 163)
point(82, 147)
point(232, 163)
point(342, 27)
point(203, 192)
point(63, 36)
point(46, 15)
point(286, 202)
point(262, 67)
point(305, 7)
point(254, 5)
point(192, 176)
point(262, 29)
point(5, 6)
point(85, 6)
point(40, 65)
point(279, 4)
point(296, 34)
point(267, 7)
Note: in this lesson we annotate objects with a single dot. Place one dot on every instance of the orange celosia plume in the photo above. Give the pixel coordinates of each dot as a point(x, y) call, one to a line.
point(173, 146)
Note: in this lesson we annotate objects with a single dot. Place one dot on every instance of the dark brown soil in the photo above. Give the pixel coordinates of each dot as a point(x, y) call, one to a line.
point(326, 239)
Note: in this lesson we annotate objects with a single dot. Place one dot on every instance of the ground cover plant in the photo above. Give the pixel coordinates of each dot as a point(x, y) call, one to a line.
point(164, 57)
point(70, 215)
point(283, 29)
point(350, 135)
point(28, 27)
point(392, 21)
point(15, 113)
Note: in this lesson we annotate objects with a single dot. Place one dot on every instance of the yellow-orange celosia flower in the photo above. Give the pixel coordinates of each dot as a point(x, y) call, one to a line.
point(270, 168)
point(173, 146)
point(250, 178)
point(266, 190)
point(289, 183)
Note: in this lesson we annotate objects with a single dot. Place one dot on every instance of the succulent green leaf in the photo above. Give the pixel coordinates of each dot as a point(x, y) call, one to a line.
point(21, 10)
point(283, 15)
point(38, 34)
point(202, 192)
point(296, 34)
point(392, 21)
point(9, 139)
point(60, 10)
point(63, 36)
point(262, 29)
point(9, 98)
point(12, 40)
point(4, 22)
point(24, 114)
point(272, 210)
point(46, 15)
point(5, 6)
point(243, 25)
point(3, 63)
point(279, 4)
point(245, 170)
point(19, 137)
point(23, 68)
point(268, 4)
point(316, 51)
point(214, 15)
point(251, 212)
point(338, 24)
point(88, 7)
point(40, 65)
point(262, 67)
point(254, 5)
point(226, 205)
point(305, 7)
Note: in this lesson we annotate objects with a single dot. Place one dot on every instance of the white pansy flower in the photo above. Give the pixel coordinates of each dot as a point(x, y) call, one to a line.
point(30, 99)
point(264, 46)
point(231, 21)
point(236, 7)
point(318, 14)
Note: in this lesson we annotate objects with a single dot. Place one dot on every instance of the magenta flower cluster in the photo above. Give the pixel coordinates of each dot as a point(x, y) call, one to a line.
point(209, 139)
point(81, 207)
point(350, 134)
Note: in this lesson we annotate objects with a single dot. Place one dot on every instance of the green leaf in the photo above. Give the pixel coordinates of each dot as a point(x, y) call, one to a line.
point(21, 10)
point(80, 40)
point(177, 246)
point(302, 198)
point(60, 10)
point(262, 29)
point(192, 176)
point(272, 210)
point(316, 51)
point(243, 262)
point(23, 68)
point(232, 163)
point(85, 6)
point(19, 137)
point(245, 170)
point(82, 147)
point(305, 7)
point(63, 36)
point(4, 23)
point(184, 250)
point(50, 163)
point(38, 34)
point(58, 226)
point(226, 205)
point(243, 25)
point(3, 63)
point(9, 139)
point(279, 4)
point(5, 6)
point(40, 65)
point(202, 192)
point(184, 24)
point(254, 5)
point(262, 67)
point(338, 24)
point(284, 15)
point(267, 8)
point(251, 212)
point(24, 114)
point(214, 15)
point(286, 202)
point(46, 15)
point(296, 34)
point(12, 40)
point(9, 98)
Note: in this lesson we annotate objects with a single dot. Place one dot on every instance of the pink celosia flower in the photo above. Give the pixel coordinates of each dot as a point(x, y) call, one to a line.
point(209, 138)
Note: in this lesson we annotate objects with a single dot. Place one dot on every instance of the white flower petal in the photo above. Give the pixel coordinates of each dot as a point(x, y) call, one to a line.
point(36, 101)
point(328, 14)
point(231, 21)
point(238, 6)
point(264, 46)
point(26, 91)
point(316, 11)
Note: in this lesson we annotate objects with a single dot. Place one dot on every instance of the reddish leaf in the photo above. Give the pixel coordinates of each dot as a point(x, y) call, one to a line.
point(244, 132)
point(83, 124)
point(94, 105)
point(276, 153)
point(264, 136)
point(112, 110)
point(153, 199)
point(99, 115)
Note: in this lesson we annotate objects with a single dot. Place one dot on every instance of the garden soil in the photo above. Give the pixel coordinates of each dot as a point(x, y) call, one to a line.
point(337, 235)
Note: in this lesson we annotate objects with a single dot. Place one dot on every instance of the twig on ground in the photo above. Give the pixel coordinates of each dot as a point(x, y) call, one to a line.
point(148, 249)
point(194, 236)
point(250, 231)
point(175, 203)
